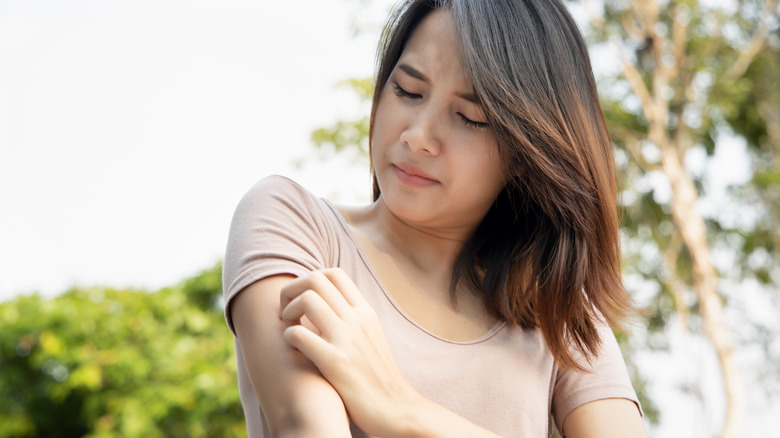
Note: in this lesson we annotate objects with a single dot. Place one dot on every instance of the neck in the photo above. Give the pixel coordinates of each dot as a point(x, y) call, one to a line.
point(431, 250)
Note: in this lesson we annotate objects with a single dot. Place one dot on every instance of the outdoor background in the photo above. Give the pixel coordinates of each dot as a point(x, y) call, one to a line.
point(129, 130)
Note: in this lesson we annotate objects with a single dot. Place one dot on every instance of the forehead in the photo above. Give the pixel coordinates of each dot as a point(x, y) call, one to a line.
point(433, 44)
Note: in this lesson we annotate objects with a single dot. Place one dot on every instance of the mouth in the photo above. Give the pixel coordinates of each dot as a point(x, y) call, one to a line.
point(412, 176)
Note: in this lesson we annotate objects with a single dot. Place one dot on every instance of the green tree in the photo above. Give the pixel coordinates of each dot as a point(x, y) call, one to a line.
point(694, 78)
point(101, 362)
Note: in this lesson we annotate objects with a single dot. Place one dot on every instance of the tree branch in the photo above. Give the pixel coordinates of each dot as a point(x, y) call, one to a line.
point(755, 44)
point(632, 146)
point(640, 89)
point(673, 282)
point(679, 39)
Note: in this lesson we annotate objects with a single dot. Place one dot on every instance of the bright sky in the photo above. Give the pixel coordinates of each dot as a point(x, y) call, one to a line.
point(129, 130)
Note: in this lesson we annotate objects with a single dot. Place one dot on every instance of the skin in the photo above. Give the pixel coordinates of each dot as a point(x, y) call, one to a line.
point(296, 400)
point(424, 123)
point(427, 123)
point(315, 346)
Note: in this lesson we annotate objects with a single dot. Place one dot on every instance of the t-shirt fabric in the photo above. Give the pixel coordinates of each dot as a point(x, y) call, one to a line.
point(505, 381)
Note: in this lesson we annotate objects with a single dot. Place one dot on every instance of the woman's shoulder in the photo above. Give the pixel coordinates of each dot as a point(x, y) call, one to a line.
point(278, 186)
point(279, 194)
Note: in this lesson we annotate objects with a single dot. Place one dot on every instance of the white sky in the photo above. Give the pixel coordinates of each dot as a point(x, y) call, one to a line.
point(130, 129)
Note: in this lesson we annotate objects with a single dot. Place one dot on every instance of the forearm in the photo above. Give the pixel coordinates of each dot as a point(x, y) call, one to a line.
point(426, 419)
point(296, 400)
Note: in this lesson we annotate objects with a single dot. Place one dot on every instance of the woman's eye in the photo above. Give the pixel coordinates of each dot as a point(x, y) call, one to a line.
point(472, 124)
point(400, 92)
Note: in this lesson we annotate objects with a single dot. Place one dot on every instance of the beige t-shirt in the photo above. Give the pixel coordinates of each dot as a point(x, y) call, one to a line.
point(505, 381)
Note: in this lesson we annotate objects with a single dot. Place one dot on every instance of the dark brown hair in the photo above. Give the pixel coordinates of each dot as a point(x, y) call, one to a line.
point(547, 253)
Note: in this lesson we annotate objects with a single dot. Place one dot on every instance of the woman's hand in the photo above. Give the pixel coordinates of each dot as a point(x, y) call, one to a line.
point(295, 398)
point(343, 338)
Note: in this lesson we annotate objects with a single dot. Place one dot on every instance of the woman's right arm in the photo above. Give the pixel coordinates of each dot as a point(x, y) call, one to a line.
point(296, 400)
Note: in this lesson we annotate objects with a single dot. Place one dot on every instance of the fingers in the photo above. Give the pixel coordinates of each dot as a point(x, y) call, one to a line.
point(325, 299)
point(345, 285)
point(312, 306)
point(319, 283)
point(308, 343)
point(361, 311)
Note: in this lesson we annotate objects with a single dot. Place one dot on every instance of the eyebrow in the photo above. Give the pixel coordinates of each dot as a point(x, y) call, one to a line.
point(417, 74)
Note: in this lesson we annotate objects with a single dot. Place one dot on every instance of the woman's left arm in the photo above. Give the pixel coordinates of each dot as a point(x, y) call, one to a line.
point(341, 335)
point(612, 417)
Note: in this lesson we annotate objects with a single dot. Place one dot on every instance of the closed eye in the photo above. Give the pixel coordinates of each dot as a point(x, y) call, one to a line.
point(400, 92)
point(471, 123)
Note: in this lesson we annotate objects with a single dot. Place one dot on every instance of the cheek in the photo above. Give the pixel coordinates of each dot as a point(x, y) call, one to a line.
point(381, 138)
point(381, 121)
point(387, 124)
point(486, 157)
point(489, 168)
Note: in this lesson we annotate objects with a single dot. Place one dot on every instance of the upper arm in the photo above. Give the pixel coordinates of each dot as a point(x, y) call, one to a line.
point(614, 417)
point(277, 233)
point(294, 397)
point(604, 382)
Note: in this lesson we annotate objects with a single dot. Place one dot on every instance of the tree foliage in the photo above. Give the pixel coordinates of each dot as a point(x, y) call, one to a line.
point(694, 79)
point(102, 362)
point(717, 90)
point(348, 134)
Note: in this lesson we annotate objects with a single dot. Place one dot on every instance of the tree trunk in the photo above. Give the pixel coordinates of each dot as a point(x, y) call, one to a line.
point(689, 222)
point(705, 283)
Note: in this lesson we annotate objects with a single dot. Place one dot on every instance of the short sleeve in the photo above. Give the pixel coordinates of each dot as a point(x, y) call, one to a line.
point(278, 228)
point(605, 377)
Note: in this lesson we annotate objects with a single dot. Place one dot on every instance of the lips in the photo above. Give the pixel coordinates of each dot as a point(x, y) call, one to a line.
point(413, 176)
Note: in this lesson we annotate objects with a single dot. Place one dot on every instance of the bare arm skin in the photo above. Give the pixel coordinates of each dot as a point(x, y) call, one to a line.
point(299, 402)
point(608, 418)
point(352, 353)
point(296, 400)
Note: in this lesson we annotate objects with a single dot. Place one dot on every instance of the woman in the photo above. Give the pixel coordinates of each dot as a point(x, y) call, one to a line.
point(473, 297)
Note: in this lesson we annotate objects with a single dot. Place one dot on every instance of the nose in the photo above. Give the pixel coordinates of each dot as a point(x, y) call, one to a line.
point(422, 132)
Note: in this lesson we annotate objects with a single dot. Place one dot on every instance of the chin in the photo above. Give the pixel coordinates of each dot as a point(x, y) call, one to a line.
point(408, 209)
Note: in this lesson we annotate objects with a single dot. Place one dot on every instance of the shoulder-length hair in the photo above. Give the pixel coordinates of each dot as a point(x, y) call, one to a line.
point(547, 253)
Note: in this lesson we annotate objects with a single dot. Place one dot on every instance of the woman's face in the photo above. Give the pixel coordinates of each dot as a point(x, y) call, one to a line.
point(435, 159)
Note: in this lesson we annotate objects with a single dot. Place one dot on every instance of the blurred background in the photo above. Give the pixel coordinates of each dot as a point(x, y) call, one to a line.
point(130, 130)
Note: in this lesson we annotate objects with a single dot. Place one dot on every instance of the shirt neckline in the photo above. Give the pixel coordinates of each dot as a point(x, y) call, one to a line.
point(364, 258)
